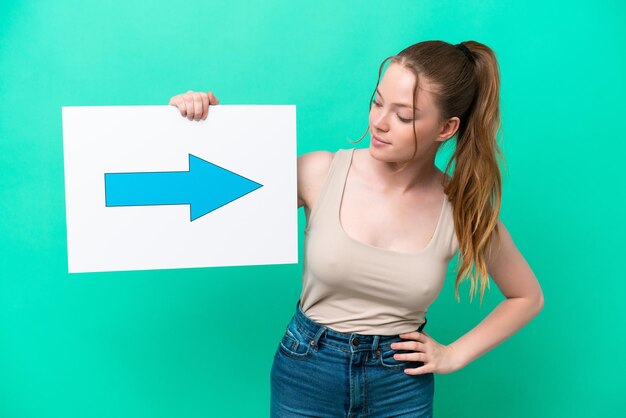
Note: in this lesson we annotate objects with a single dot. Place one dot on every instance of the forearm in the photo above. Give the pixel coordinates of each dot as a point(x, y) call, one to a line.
point(508, 317)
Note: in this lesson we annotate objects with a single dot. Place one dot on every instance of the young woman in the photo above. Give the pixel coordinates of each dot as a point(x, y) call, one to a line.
point(382, 225)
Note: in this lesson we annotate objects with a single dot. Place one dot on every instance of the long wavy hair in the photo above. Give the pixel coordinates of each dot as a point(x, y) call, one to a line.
point(468, 88)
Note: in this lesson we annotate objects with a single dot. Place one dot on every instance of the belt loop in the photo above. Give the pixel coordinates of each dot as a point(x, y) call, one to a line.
point(375, 342)
point(317, 337)
point(421, 327)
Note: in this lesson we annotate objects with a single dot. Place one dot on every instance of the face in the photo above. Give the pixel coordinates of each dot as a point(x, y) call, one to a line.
point(391, 117)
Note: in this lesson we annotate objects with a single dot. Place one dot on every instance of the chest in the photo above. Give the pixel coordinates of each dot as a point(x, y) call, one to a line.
point(405, 224)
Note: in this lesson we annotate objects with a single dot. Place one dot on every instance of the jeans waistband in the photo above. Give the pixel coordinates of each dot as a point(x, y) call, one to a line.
point(350, 341)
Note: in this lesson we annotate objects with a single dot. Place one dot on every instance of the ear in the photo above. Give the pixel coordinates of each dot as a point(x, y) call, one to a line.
point(448, 129)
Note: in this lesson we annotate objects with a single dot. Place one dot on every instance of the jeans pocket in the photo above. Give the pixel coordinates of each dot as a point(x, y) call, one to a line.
point(295, 344)
point(387, 359)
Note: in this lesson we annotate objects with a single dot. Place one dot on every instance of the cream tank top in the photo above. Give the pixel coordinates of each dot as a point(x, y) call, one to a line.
point(350, 286)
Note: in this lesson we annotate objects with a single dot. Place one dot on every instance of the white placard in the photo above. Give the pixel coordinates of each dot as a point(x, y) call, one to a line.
point(127, 178)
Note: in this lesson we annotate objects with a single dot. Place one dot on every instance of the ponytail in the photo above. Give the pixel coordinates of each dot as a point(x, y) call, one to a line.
point(475, 188)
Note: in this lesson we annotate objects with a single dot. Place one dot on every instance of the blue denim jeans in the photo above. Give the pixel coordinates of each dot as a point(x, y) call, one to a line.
point(319, 372)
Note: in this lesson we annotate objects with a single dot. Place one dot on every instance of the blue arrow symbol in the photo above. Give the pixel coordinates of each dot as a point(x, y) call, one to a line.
point(205, 187)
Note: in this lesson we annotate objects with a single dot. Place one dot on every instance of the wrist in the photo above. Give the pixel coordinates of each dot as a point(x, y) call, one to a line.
point(459, 360)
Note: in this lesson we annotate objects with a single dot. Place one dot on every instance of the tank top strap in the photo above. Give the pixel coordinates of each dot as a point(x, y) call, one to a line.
point(330, 192)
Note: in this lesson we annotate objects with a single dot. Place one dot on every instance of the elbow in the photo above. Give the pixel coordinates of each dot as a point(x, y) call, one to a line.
point(538, 302)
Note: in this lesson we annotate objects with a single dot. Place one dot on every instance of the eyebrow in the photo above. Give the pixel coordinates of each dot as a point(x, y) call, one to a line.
point(398, 104)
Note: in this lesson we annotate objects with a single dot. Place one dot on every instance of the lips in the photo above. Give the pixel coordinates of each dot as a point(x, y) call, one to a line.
point(378, 139)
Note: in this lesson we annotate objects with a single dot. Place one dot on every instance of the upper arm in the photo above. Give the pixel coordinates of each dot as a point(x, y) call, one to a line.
point(509, 270)
point(312, 170)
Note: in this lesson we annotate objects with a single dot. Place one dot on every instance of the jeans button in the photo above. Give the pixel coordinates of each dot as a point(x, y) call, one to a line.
point(355, 342)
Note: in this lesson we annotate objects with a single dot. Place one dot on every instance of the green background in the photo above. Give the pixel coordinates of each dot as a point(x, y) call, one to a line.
point(200, 342)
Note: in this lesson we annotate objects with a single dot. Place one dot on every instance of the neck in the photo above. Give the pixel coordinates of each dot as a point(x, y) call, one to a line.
point(420, 174)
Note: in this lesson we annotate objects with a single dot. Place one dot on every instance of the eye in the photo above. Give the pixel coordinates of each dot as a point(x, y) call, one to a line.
point(401, 119)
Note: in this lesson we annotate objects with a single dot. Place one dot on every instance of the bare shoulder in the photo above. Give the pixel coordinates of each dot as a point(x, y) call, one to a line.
point(312, 170)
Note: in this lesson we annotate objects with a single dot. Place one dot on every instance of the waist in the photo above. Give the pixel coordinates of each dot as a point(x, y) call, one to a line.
point(347, 341)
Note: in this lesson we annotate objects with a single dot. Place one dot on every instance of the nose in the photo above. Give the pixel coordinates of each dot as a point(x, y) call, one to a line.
point(379, 121)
